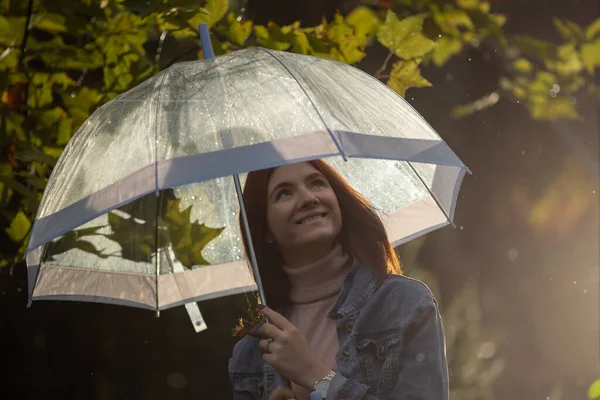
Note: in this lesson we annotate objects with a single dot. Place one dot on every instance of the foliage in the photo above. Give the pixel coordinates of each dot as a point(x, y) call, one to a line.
point(74, 56)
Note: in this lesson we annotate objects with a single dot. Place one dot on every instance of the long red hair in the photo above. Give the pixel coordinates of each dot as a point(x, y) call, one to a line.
point(363, 235)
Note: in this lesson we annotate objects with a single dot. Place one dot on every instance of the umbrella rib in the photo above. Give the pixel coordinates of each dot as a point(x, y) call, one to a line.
point(337, 143)
point(158, 199)
point(431, 194)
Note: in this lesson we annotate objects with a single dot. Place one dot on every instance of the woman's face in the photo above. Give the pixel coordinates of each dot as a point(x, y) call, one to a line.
point(303, 214)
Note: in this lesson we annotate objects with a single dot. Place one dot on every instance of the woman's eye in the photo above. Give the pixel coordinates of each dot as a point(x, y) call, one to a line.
point(319, 183)
point(283, 193)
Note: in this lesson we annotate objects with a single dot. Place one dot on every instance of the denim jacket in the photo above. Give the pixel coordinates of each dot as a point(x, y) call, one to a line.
point(391, 345)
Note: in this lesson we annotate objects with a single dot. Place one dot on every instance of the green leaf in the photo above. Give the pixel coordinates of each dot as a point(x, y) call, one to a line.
point(65, 130)
point(470, 4)
point(300, 43)
point(364, 22)
point(187, 238)
point(534, 47)
point(592, 30)
point(523, 65)
point(445, 48)
point(594, 390)
point(342, 34)
point(406, 74)
point(32, 153)
point(568, 62)
point(5, 192)
point(8, 59)
point(214, 11)
point(11, 30)
point(560, 107)
point(272, 36)
point(238, 32)
point(404, 38)
point(137, 239)
point(590, 55)
point(452, 20)
point(19, 227)
point(565, 32)
point(51, 22)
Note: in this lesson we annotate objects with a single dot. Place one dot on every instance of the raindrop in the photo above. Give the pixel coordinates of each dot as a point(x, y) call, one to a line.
point(193, 197)
point(574, 282)
point(73, 94)
point(462, 227)
point(593, 191)
point(513, 254)
point(518, 102)
point(420, 357)
point(176, 380)
point(19, 290)
point(440, 35)
point(487, 350)
point(469, 59)
point(584, 291)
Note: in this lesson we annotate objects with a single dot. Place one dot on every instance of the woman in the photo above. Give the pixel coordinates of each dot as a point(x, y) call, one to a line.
point(348, 324)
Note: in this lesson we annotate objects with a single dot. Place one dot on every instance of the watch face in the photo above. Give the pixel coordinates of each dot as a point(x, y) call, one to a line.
point(322, 387)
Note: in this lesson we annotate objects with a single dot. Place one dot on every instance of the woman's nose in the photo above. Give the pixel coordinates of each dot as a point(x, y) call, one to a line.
point(307, 199)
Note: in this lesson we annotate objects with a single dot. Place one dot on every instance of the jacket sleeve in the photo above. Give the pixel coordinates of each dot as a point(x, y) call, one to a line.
point(423, 373)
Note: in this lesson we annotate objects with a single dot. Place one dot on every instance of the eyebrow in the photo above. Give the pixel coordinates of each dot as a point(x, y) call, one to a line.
point(282, 185)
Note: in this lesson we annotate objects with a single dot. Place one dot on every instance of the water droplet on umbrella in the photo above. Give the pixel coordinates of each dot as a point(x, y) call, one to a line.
point(584, 291)
point(176, 380)
point(462, 227)
point(420, 357)
point(574, 282)
point(513, 254)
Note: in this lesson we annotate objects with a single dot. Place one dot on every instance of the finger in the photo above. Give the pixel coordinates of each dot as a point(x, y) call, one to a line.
point(271, 331)
point(264, 346)
point(282, 393)
point(276, 319)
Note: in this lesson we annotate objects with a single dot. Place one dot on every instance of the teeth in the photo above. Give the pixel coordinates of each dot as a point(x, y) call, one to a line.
point(311, 218)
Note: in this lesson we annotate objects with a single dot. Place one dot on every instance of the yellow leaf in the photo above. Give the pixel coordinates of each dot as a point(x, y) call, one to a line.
point(445, 48)
point(594, 390)
point(404, 38)
point(406, 74)
point(364, 21)
point(554, 109)
point(593, 29)
point(590, 55)
point(523, 65)
point(19, 227)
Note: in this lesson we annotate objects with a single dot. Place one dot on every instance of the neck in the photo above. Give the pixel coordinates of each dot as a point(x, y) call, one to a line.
point(297, 258)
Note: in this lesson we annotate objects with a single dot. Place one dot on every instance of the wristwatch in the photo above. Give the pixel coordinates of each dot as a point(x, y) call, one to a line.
point(322, 385)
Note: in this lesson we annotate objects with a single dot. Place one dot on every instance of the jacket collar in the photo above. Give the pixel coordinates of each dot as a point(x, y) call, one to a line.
point(357, 288)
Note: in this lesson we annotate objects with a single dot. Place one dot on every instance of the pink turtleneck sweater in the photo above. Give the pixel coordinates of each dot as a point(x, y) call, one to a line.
point(314, 290)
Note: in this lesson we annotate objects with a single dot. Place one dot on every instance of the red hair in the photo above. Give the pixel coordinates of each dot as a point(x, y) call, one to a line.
point(363, 235)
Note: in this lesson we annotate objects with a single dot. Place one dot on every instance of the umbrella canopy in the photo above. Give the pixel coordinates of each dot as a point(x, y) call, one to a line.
point(141, 210)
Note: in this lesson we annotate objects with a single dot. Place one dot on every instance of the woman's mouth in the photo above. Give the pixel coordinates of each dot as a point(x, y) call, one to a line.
point(311, 218)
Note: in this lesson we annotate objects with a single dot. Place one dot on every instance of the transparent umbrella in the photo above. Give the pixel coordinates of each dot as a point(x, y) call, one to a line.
point(141, 208)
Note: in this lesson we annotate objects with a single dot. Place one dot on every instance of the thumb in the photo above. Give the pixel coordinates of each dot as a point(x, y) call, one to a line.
point(283, 393)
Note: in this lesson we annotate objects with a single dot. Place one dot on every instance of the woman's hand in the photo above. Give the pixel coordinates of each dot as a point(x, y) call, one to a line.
point(289, 352)
point(283, 393)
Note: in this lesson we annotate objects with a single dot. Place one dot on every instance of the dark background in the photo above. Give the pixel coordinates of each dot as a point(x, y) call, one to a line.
point(537, 285)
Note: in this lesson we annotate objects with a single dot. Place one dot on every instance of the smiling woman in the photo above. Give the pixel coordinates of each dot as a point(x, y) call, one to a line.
point(348, 324)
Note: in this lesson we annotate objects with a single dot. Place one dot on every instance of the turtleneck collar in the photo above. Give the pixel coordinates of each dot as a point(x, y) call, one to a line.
point(320, 280)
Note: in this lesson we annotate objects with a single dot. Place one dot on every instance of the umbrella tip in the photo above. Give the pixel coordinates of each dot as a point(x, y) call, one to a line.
point(157, 314)
point(29, 303)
